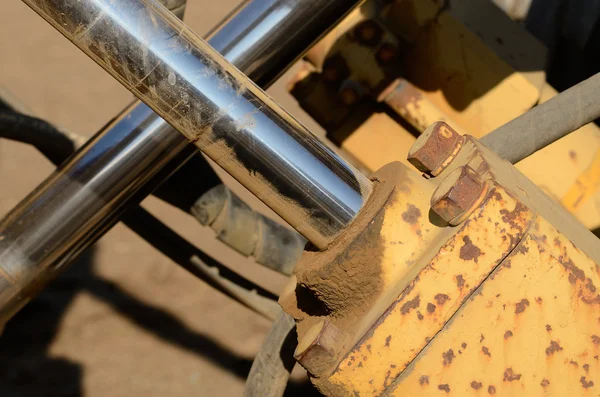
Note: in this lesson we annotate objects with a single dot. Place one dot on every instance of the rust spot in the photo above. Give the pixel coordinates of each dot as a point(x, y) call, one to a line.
point(539, 300)
point(509, 375)
point(424, 380)
point(508, 334)
point(586, 367)
point(575, 273)
point(463, 345)
point(486, 351)
point(448, 357)
point(521, 306)
point(573, 155)
point(420, 316)
point(460, 281)
point(522, 249)
point(444, 387)
point(596, 339)
point(590, 285)
point(492, 389)
point(469, 251)
point(441, 299)
point(387, 341)
point(585, 383)
point(511, 216)
point(574, 363)
point(482, 338)
point(430, 308)
point(411, 215)
point(548, 327)
point(411, 304)
point(545, 383)
point(553, 348)
point(387, 377)
point(476, 385)
point(587, 300)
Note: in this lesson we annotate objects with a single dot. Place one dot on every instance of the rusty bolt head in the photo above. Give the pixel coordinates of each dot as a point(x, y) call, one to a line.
point(435, 148)
point(458, 194)
point(349, 96)
point(350, 92)
point(335, 69)
point(386, 53)
point(368, 33)
point(316, 350)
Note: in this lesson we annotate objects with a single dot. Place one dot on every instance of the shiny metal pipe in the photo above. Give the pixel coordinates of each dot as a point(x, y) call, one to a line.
point(215, 106)
point(131, 156)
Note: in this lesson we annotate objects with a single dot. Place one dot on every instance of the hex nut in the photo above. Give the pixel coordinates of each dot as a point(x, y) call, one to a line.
point(386, 53)
point(457, 195)
point(435, 148)
point(335, 69)
point(350, 93)
point(316, 350)
point(368, 33)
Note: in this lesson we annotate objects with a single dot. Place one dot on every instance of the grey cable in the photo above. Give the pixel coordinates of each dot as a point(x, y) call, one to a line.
point(274, 362)
point(547, 122)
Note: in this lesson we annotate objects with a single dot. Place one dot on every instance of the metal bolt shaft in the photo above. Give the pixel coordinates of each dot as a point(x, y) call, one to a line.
point(435, 148)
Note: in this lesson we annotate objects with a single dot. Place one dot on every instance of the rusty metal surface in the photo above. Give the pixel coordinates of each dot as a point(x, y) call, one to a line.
point(432, 298)
point(427, 313)
point(411, 104)
point(531, 329)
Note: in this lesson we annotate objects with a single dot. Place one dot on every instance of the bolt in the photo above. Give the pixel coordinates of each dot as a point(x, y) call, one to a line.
point(349, 95)
point(435, 148)
point(368, 33)
point(458, 194)
point(316, 350)
point(386, 53)
point(335, 69)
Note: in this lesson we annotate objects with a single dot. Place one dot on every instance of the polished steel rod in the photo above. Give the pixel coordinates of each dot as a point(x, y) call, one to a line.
point(131, 156)
point(215, 106)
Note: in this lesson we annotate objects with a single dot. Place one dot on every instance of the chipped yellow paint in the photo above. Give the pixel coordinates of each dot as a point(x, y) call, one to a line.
point(433, 296)
point(532, 329)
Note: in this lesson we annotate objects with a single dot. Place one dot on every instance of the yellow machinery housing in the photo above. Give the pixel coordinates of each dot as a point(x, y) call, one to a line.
point(472, 281)
point(477, 279)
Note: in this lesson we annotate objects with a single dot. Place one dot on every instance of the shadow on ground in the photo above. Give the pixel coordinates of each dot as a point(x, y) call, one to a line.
point(27, 370)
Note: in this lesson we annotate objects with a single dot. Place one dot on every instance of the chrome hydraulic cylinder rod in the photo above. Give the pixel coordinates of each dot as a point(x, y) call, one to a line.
point(131, 156)
point(215, 106)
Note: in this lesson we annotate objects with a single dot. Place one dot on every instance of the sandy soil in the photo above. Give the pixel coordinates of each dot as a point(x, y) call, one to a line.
point(124, 320)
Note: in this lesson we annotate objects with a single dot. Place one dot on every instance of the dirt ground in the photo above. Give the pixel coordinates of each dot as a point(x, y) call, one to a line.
point(124, 320)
